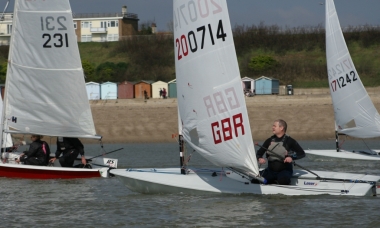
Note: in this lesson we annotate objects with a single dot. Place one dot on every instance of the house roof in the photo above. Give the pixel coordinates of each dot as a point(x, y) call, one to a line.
point(106, 83)
point(159, 82)
point(247, 79)
point(267, 78)
point(126, 82)
point(92, 83)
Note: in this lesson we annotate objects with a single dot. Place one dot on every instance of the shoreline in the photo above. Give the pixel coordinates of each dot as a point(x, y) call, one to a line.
point(309, 117)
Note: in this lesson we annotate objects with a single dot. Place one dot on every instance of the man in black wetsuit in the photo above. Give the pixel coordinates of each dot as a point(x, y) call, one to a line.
point(70, 147)
point(284, 150)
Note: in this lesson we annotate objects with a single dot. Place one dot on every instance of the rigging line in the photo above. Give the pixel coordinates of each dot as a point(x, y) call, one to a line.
point(343, 141)
point(5, 8)
point(370, 151)
point(104, 154)
point(309, 189)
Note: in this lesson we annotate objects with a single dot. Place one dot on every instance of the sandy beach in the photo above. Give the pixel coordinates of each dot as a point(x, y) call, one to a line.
point(309, 115)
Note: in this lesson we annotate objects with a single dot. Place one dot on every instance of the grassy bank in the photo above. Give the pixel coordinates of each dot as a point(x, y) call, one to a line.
point(297, 56)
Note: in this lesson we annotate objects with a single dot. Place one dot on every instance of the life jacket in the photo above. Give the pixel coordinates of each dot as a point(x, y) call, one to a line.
point(277, 151)
point(46, 149)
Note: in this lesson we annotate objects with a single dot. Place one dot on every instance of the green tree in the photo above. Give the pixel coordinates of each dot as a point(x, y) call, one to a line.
point(89, 71)
point(110, 71)
point(145, 28)
point(3, 72)
point(262, 63)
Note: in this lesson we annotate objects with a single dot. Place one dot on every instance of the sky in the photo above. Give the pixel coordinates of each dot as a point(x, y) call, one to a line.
point(292, 13)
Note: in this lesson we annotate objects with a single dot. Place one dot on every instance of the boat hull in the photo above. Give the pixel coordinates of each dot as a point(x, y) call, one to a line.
point(45, 172)
point(100, 168)
point(374, 155)
point(170, 180)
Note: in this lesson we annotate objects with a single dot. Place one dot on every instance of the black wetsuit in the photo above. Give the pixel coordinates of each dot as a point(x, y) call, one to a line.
point(70, 147)
point(277, 170)
point(35, 155)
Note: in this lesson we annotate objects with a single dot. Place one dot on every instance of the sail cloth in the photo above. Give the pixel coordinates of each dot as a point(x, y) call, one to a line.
point(45, 88)
point(355, 114)
point(210, 93)
point(7, 139)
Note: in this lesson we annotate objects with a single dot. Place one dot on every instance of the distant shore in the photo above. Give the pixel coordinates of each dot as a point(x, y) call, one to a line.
point(309, 116)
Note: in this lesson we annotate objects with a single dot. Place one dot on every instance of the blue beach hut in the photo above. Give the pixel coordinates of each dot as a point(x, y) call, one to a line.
point(108, 91)
point(172, 88)
point(93, 90)
point(266, 85)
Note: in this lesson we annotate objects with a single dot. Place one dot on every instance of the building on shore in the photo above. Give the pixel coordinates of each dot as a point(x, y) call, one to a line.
point(89, 27)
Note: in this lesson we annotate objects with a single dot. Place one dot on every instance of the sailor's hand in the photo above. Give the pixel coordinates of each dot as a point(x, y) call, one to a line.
point(288, 160)
point(262, 161)
point(84, 160)
point(52, 160)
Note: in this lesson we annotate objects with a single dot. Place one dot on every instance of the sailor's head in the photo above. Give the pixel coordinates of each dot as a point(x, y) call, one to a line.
point(279, 126)
point(36, 137)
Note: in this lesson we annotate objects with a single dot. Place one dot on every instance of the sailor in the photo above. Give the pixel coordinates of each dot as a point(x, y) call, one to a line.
point(37, 154)
point(70, 147)
point(282, 150)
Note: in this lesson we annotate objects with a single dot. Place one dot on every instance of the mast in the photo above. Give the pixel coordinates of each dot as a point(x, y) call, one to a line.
point(181, 154)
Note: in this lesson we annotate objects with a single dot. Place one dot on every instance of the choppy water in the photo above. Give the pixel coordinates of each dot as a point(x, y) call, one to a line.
point(100, 202)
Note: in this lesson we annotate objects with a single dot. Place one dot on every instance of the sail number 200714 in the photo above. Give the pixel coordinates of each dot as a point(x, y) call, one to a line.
point(198, 38)
point(58, 39)
point(184, 43)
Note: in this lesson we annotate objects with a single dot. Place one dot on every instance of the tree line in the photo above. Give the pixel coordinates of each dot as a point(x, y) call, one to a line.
point(284, 53)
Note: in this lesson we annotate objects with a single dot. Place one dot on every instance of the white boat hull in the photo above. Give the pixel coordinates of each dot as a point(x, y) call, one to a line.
point(170, 180)
point(357, 155)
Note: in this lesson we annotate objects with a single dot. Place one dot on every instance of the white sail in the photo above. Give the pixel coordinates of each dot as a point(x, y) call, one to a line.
point(45, 88)
point(7, 139)
point(355, 114)
point(210, 94)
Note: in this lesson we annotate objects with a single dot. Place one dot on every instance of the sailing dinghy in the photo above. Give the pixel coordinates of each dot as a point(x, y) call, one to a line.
point(355, 114)
point(7, 141)
point(215, 122)
point(45, 91)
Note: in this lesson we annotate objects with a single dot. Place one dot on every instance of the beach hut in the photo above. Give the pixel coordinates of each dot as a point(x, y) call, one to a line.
point(93, 90)
point(108, 91)
point(125, 90)
point(157, 86)
point(266, 85)
point(172, 85)
point(142, 86)
point(248, 85)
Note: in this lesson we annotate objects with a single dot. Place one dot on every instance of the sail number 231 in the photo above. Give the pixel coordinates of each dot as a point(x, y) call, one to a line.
point(58, 39)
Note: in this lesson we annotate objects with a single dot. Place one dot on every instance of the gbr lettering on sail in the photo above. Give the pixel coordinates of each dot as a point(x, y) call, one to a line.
point(218, 104)
point(197, 38)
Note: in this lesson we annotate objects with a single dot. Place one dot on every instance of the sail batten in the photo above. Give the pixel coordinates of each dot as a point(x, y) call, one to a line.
point(209, 89)
point(45, 88)
point(355, 114)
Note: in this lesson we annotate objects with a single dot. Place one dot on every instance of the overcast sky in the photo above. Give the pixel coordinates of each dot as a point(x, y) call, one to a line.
point(291, 13)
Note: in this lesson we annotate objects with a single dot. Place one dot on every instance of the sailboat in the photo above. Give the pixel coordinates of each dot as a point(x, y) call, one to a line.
point(45, 90)
point(214, 120)
point(7, 141)
point(355, 114)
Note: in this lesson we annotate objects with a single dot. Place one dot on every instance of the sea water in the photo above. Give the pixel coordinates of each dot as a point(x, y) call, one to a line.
point(100, 202)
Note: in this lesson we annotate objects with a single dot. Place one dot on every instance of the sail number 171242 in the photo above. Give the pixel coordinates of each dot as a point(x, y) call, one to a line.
point(342, 81)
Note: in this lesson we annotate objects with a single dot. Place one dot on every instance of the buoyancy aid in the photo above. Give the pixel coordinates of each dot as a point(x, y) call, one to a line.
point(61, 144)
point(277, 151)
